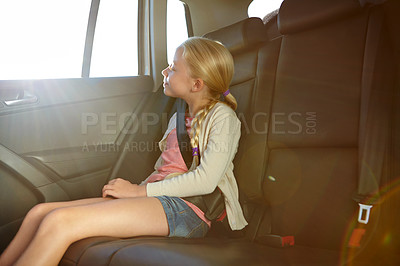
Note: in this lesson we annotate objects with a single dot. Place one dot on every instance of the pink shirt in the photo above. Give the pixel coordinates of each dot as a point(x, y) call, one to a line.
point(174, 163)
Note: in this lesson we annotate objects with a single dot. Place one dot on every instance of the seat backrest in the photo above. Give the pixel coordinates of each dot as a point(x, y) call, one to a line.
point(299, 96)
point(312, 146)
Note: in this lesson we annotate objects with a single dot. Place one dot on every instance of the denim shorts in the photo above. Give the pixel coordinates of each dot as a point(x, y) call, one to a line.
point(182, 220)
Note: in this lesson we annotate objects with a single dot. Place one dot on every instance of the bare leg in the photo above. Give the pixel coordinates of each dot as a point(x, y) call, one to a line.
point(117, 218)
point(30, 225)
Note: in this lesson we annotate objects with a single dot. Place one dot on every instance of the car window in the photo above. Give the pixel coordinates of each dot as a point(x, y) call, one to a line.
point(260, 8)
point(115, 50)
point(42, 38)
point(176, 27)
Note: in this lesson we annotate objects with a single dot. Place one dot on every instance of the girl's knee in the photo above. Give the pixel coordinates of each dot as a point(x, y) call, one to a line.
point(55, 222)
point(38, 211)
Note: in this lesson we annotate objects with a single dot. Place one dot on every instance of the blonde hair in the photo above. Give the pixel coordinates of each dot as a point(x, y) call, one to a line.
point(213, 63)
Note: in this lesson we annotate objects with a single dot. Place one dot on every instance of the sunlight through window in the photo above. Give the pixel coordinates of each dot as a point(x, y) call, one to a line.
point(42, 38)
point(115, 40)
point(260, 8)
point(45, 39)
point(176, 27)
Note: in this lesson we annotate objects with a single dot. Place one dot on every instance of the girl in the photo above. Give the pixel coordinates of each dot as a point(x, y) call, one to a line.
point(201, 71)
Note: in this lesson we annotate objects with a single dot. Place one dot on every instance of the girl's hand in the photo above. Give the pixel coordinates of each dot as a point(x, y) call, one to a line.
point(120, 188)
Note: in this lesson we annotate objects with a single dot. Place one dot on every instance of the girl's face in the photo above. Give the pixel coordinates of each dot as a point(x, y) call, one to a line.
point(177, 82)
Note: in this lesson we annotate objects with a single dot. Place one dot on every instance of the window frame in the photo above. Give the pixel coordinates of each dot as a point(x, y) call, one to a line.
point(91, 28)
point(143, 38)
point(188, 17)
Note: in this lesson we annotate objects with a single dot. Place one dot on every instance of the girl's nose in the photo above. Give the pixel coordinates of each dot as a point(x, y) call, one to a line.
point(165, 72)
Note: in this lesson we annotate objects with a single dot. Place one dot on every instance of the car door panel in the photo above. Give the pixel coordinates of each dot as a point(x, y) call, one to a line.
point(71, 163)
point(63, 145)
point(74, 120)
point(61, 116)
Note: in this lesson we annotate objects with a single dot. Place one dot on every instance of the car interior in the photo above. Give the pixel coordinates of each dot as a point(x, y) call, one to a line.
point(318, 89)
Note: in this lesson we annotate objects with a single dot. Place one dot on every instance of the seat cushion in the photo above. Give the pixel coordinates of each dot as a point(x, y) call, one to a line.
point(179, 251)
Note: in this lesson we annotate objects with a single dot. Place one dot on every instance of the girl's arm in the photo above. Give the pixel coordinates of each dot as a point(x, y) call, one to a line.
point(221, 148)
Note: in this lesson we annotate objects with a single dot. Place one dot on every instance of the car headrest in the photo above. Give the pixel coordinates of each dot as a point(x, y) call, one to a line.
point(295, 15)
point(240, 36)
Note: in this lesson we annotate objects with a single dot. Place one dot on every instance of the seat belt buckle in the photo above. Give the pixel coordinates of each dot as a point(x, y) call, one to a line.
point(358, 233)
point(363, 219)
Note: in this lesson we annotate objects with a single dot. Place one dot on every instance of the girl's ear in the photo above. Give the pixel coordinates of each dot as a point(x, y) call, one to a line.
point(198, 85)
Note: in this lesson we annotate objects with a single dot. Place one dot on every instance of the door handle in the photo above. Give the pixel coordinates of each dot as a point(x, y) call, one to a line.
point(24, 97)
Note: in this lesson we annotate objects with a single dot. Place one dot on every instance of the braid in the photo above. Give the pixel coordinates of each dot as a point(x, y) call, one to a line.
point(196, 125)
